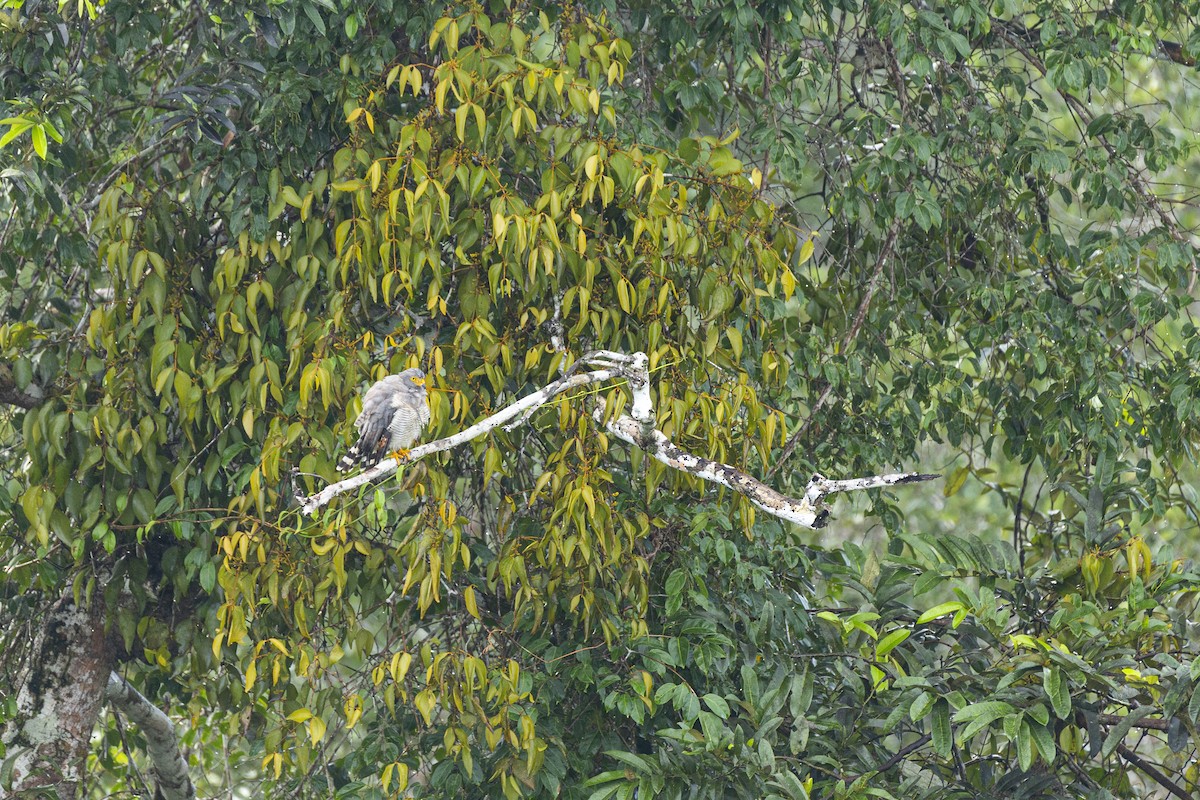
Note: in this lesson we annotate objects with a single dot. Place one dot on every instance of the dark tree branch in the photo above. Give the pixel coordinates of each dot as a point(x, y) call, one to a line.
point(1153, 773)
point(11, 395)
point(1147, 724)
point(903, 752)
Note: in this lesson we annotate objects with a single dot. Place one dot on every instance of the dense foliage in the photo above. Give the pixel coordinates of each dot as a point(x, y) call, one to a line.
point(849, 236)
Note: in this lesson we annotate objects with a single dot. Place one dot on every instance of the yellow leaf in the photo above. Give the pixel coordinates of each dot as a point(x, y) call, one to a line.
point(941, 610)
point(425, 702)
point(789, 284)
point(400, 664)
point(400, 771)
point(806, 251)
point(316, 729)
point(375, 175)
point(460, 122)
point(735, 341)
point(353, 709)
point(469, 599)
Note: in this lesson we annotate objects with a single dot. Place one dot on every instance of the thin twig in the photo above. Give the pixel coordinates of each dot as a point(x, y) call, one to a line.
point(794, 441)
point(902, 752)
point(860, 316)
point(885, 252)
point(1017, 546)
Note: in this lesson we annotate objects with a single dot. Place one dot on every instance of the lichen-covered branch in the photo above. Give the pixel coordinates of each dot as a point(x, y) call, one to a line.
point(820, 487)
point(659, 447)
point(162, 745)
point(638, 428)
point(518, 411)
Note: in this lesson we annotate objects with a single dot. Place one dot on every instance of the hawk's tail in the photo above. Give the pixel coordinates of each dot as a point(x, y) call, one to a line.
point(363, 454)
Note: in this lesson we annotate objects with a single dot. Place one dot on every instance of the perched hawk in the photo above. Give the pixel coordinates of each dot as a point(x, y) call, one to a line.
point(394, 411)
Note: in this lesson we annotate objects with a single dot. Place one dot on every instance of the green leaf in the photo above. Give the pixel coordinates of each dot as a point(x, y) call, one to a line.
point(39, 140)
point(955, 481)
point(801, 692)
point(979, 715)
point(1122, 728)
point(941, 610)
point(635, 762)
point(17, 126)
point(607, 790)
point(889, 642)
point(943, 737)
point(314, 16)
point(711, 725)
point(717, 705)
point(921, 706)
point(1043, 736)
point(1057, 690)
point(1193, 709)
point(1025, 747)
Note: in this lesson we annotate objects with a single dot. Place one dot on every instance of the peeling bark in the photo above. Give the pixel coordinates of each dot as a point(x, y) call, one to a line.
point(639, 429)
point(59, 701)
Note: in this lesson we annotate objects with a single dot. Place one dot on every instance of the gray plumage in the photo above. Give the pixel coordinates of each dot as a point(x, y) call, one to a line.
point(394, 412)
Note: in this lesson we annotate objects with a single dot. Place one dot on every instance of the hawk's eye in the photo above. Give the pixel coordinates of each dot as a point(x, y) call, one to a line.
point(418, 380)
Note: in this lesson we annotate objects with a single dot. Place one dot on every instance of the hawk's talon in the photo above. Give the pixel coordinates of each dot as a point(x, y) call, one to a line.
point(400, 456)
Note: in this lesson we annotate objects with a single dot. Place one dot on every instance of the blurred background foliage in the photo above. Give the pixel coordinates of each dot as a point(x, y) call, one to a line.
point(852, 237)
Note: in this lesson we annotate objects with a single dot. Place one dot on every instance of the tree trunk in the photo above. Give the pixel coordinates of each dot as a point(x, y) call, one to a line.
point(59, 700)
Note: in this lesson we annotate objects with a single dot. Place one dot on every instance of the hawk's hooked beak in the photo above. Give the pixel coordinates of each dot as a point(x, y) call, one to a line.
point(418, 381)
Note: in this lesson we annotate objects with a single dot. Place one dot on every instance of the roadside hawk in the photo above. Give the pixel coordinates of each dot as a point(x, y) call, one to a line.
point(394, 411)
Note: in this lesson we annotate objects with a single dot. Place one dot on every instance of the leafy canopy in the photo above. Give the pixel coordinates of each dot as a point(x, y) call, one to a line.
point(843, 234)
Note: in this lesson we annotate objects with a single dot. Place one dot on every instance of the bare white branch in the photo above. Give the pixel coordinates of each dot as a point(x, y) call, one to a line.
point(659, 447)
point(637, 428)
point(162, 745)
point(522, 408)
point(820, 486)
